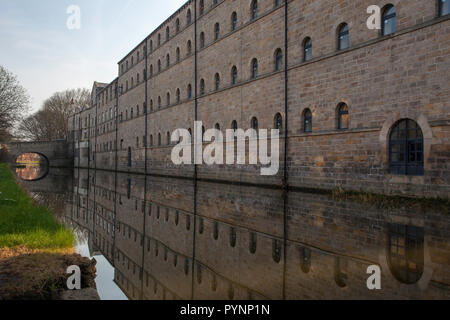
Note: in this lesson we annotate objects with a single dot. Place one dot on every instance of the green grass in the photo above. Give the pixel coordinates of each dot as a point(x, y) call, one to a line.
point(22, 223)
point(394, 202)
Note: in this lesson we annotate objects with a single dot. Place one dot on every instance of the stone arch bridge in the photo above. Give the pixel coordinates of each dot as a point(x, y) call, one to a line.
point(58, 153)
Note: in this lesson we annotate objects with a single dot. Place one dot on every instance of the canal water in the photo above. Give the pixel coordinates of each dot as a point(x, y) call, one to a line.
point(161, 238)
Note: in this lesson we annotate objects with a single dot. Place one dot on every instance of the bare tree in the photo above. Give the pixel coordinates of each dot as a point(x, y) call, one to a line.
point(50, 123)
point(14, 102)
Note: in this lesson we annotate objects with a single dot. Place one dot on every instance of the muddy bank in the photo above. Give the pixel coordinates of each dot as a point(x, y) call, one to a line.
point(36, 275)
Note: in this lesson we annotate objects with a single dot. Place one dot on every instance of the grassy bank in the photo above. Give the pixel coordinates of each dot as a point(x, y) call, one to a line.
point(23, 224)
point(35, 250)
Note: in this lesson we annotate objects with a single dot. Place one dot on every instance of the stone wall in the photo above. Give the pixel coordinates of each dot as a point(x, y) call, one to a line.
point(382, 79)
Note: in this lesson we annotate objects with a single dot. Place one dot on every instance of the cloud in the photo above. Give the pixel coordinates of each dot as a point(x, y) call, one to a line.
point(47, 57)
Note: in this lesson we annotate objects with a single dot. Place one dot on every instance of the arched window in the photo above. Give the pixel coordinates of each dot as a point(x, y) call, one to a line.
point(277, 3)
point(159, 139)
point(216, 31)
point(159, 102)
point(202, 40)
point(132, 61)
point(151, 70)
point(151, 45)
point(444, 7)
point(189, 91)
point(167, 34)
point(234, 125)
point(254, 10)
point(389, 20)
point(188, 17)
point(343, 117)
point(234, 75)
point(159, 39)
point(168, 138)
point(168, 98)
point(406, 252)
point(168, 60)
point(151, 140)
point(202, 86)
point(307, 121)
point(202, 7)
point(234, 21)
point(217, 126)
point(254, 123)
point(177, 25)
point(278, 60)
point(406, 148)
point(189, 48)
point(151, 105)
point(217, 81)
point(159, 65)
point(307, 49)
point(278, 121)
point(254, 70)
point(178, 96)
point(343, 37)
point(178, 55)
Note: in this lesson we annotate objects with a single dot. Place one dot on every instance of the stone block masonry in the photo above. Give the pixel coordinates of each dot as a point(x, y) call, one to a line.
point(340, 111)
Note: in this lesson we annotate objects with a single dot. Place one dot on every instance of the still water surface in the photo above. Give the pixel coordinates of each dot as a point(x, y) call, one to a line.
point(166, 238)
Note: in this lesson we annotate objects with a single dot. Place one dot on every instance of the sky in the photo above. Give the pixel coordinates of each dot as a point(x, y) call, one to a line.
point(47, 56)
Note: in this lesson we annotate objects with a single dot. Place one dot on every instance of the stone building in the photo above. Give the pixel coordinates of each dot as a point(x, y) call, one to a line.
point(357, 108)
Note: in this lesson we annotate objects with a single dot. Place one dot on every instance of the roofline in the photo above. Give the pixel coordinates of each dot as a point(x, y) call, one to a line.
point(108, 85)
point(158, 28)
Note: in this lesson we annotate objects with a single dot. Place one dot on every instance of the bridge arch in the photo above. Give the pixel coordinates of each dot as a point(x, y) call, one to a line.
point(33, 173)
point(57, 153)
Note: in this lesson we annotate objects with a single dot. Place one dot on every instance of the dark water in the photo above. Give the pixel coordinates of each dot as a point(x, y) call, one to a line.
point(166, 238)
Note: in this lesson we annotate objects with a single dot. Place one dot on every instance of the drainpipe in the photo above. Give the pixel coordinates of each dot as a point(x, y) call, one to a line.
point(193, 130)
point(145, 169)
point(285, 174)
point(116, 157)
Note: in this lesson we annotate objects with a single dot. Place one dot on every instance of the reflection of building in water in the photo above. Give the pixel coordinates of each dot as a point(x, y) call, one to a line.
point(29, 172)
point(221, 241)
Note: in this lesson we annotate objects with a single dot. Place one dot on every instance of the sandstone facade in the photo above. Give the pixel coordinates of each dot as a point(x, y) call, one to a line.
point(184, 70)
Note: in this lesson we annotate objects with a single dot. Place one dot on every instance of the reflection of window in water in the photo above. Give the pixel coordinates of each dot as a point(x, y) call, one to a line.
point(305, 256)
point(405, 252)
point(339, 272)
